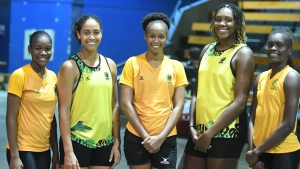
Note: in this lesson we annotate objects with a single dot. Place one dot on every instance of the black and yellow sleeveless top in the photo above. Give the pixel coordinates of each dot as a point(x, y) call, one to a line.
point(216, 81)
point(91, 109)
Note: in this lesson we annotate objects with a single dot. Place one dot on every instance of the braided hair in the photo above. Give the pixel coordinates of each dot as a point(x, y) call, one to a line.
point(155, 17)
point(239, 23)
point(80, 21)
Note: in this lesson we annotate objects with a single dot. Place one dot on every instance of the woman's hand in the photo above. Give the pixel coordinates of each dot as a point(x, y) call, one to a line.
point(153, 143)
point(70, 161)
point(259, 165)
point(115, 155)
point(55, 162)
point(203, 143)
point(251, 158)
point(194, 134)
point(16, 163)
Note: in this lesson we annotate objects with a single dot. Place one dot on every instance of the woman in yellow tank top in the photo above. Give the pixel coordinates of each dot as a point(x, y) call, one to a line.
point(272, 136)
point(88, 106)
point(218, 121)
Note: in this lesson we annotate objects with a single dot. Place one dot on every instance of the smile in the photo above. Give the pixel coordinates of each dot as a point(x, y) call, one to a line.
point(43, 59)
point(223, 30)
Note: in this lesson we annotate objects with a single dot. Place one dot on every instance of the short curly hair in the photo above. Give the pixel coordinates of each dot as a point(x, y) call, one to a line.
point(80, 21)
point(155, 17)
point(239, 23)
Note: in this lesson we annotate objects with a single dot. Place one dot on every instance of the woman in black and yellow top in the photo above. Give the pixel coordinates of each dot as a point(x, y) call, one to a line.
point(218, 124)
point(272, 129)
point(88, 106)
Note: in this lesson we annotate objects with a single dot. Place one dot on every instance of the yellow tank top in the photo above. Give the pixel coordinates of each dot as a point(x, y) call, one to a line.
point(270, 111)
point(91, 109)
point(216, 81)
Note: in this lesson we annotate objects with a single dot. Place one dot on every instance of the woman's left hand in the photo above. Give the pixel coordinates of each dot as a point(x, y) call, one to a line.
point(115, 155)
point(251, 158)
point(153, 143)
point(203, 143)
point(258, 165)
point(55, 162)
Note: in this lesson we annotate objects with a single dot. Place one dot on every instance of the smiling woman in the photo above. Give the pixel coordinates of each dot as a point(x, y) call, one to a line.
point(31, 101)
point(88, 105)
point(156, 86)
point(218, 121)
point(272, 128)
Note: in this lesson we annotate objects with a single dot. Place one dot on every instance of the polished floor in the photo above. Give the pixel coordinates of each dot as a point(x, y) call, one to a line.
point(181, 141)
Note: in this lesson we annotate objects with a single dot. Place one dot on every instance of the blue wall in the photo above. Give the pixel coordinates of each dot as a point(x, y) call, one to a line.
point(4, 39)
point(121, 20)
point(122, 31)
point(33, 14)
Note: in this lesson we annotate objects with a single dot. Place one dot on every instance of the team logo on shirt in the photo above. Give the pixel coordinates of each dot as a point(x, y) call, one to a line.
point(259, 87)
point(222, 60)
point(141, 78)
point(169, 78)
point(87, 78)
point(275, 84)
point(106, 76)
point(40, 91)
point(164, 161)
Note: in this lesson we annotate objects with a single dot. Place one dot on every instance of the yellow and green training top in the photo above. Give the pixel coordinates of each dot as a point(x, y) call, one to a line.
point(91, 109)
point(216, 82)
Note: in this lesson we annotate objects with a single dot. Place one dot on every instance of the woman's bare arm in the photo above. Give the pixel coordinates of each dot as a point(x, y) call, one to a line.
point(192, 110)
point(126, 105)
point(252, 115)
point(115, 153)
point(67, 76)
point(13, 102)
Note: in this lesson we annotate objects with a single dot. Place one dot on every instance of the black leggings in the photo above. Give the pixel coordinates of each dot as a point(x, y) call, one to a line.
point(33, 160)
point(279, 161)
